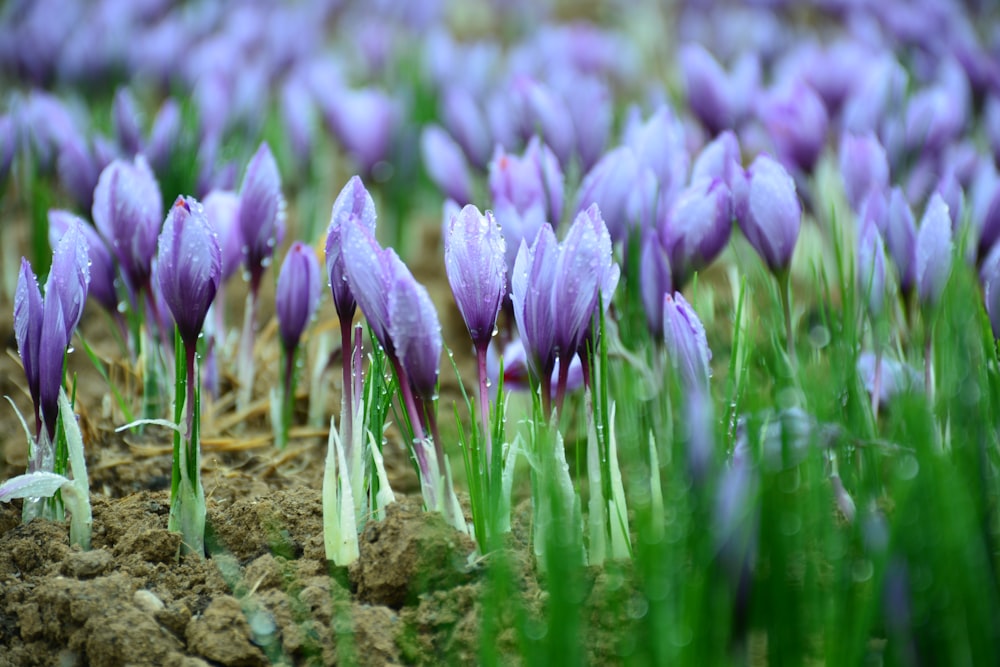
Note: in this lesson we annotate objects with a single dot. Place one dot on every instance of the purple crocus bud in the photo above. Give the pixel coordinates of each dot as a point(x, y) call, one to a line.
point(474, 259)
point(534, 179)
point(707, 86)
point(445, 164)
point(901, 238)
point(28, 327)
point(128, 212)
point(353, 206)
point(697, 227)
point(768, 211)
point(933, 251)
point(611, 185)
point(163, 135)
point(954, 197)
point(654, 279)
point(78, 171)
point(991, 121)
point(363, 121)
point(415, 332)
point(298, 114)
point(102, 264)
point(221, 207)
point(298, 292)
point(515, 369)
point(534, 271)
point(545, 114)
point(370, 272)
point(127, 122)
point(933, 120)
point(261, 215)
point(871, 268)
point(718, 159)
point(189, 263)
point(796, 120)
point(584, 262)
point(863, 166)
point(659, 144)
point(684, 336)
point(467, 124)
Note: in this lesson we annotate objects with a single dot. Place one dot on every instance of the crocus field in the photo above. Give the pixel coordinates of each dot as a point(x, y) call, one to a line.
point(500, 332)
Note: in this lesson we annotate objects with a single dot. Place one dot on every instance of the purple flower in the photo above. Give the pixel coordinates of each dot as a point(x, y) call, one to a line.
point(474, 259)
point(353, 206)
point(128, 212)
point(515, 369)
point(660, 146)
point(467, 124)
point(370, 271)
point(102, 264)
point(445, 164)
point(708, 89)
point(164, 135)
point(127, 122)
point(363, 121)
point(43, 327)
point(298, 293)
point(189, 266)
point(687, 346)
point(796, 119)
point(261, 215)
point(221, 207)
point(531, 286)
point(697, 227)
point(933, 251)
point(863, 166)
point(720, 159)
point(768, 211)
point(545, 114)
point(415, 332)
point(611, 184)
point(871, 268)
point(298, 114)
point(78, 171)
point(901, 238)
point(654, 279)
point(534, 179)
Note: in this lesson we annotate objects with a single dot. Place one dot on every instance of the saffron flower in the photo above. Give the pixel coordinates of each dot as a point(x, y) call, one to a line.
point(901, 239)
point(686, 343)
point(796, 120)
point(445, 164)
point(768, 211)
point(189, 266)
point(102, 264)
point(353, 205)
point(697, 227)
point(261, 214)
point(654, 279)
point(871, 268)
point(933, 251)
point(128, 212)
point(528, 181)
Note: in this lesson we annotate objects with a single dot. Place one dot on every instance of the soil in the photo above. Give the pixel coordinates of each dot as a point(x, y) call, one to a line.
point(265, 594)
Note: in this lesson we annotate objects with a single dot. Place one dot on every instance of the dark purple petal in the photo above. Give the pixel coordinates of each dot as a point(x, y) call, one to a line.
point(78, 172)
point(796, 120)
point(768, 211)
point(445, 164)
point(697, 227)
point(575, 291)
point(474, 260)
point(707, 87)
point(261, 215)
point(611, 185)
point(102, 264)
point(298, 292)
point(354, 206)
point(28, 325)
point(863, 166)
point(659, 144)
point(416, 333)
point(69, 276)
point(163, 136)
point(467, 124)
point(189, 263)
point(127, 122)
point(901, 238)
point(51, 360)
point(546, 115)
point(719, 159)
point(534, 179)
point(654, 279)
point(369, 271)
point(531, 294)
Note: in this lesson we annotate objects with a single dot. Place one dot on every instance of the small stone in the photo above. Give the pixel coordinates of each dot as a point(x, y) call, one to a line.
point(147, 601)
point(86, 564)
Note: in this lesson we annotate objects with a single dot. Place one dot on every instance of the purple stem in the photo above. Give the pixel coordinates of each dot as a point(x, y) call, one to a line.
point(484, 400)
point(415, 417)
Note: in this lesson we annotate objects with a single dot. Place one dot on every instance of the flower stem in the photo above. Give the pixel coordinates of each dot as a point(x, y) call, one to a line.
point(785, 288)
point(484, 401)
point(561, 382)
point(245, 355)
point(347, 399)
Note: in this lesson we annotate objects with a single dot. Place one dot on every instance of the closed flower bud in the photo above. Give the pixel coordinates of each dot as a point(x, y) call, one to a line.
point(445, 164)
point(545, 114)
point(369, 271)
point(720, 159)
point(768, 211)
point(474, 259)
point(261, 215)
point(796, 120)
point(128, 212)
point(864, 166)
point(524, 182)
point(611, 185)
point(102, 265)
point(530, 292)
point(467, 124)
point(933, 251)
point(707, 87)
point(163, 135)
point(686, 343)
point(189, 266)
point(416, 332)
point(655, 280)
point(221, 207)
point(298, 293)
point(127, 122)
point(697, 227)
point(353, 206)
